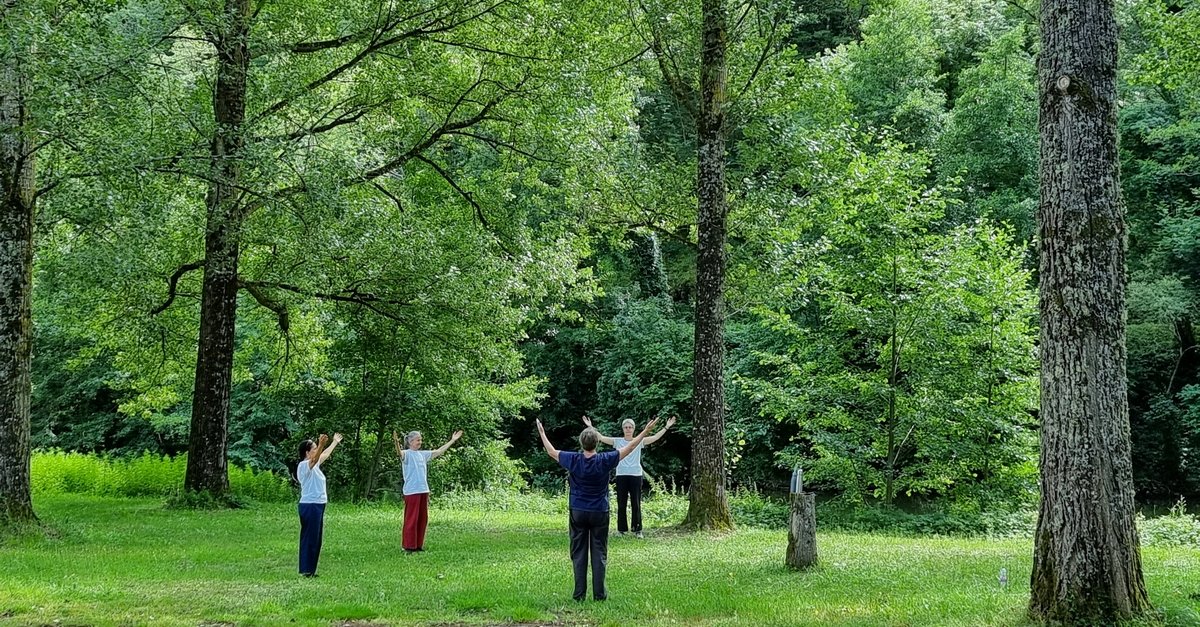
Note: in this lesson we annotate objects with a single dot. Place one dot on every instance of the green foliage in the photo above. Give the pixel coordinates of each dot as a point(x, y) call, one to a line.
point(989, 149)
point(59, 472)
point(892, 72)
point(910, 366)
point(646, 364)
point(1176, 529)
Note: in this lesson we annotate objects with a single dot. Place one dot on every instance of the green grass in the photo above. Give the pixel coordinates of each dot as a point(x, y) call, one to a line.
point(127, 561)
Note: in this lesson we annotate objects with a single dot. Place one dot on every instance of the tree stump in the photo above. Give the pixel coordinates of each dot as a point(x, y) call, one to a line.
point(802, 531)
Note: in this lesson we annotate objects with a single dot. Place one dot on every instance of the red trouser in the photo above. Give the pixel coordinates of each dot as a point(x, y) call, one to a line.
point(416, 517)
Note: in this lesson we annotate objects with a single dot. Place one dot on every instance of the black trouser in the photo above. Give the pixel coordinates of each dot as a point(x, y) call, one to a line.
point(629, 487)
point(312, 526)
point(589, 533)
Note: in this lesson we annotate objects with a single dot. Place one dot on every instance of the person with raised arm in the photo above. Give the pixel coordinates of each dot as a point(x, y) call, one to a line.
point(313, 498)
point(629, 474)
point(587, 474)
point(416, 486)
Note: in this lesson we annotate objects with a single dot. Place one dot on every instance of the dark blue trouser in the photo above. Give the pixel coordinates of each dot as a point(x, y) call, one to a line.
point(589, 535)
point(312, 526)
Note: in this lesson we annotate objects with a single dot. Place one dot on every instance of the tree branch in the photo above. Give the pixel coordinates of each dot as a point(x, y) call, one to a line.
point(377, 44)
point(173, 284)
point(461, 192)
point(281, 312)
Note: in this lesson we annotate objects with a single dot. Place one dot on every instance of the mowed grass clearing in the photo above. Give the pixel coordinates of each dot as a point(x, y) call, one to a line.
point(132, 562)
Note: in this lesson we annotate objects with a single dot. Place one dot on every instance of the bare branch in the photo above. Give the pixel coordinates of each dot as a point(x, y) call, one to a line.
point(461, 192)
point(378, 44)
point(395, 199)
point(496, 144)
point(173, 284)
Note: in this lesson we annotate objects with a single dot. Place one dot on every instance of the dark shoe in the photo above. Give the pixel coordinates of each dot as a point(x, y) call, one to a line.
point(309, 574)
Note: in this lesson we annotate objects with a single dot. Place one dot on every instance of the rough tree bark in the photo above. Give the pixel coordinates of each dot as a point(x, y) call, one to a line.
point(708, 507)
point(206, 467)
point(17, 193)
point(1087, 565)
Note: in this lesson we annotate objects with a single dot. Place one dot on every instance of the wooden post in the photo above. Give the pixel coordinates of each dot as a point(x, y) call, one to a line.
point(802, 531)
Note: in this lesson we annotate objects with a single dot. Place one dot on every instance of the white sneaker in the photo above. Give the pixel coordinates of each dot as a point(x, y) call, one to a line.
point(640, 536)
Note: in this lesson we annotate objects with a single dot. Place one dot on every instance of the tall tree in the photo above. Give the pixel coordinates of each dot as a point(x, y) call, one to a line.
point(708, 507)
point(17, 192)
point(338, 81)
point(206, 465)
point(1087, 566)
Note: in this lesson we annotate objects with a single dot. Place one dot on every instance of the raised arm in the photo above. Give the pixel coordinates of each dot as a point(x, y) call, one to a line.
point(550, 450)
point(628, 448)
point(657, 436)
point(603, 438)
point(399, 447)
point(314, 455)
point(337, 437)
point(438, 451)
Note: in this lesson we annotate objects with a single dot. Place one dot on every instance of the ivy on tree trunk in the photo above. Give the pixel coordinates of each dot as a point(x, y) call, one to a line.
point(708, 507)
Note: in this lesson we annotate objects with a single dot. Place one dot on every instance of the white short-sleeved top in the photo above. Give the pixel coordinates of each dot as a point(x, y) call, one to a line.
point(416, 476)
point(312, 483)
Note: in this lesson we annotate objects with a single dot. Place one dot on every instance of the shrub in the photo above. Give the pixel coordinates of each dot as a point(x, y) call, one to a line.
point(59, 472)
point(1177, 528)
point(752, 509)
point(501, 500)
point(483, 467)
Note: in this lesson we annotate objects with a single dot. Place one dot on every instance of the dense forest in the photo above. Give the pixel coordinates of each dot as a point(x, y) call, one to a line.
point(256, 222)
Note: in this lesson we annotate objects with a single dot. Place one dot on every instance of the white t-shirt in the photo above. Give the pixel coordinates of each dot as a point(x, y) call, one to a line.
point(312, 483)
point(416, 464)
point(632, 464)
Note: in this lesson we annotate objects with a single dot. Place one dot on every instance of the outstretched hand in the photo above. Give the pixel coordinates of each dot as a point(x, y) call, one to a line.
point(337, 437)
point(323, 439)
point(587, 421)
point(457, 434)
point(650, 426)
point(670, 422)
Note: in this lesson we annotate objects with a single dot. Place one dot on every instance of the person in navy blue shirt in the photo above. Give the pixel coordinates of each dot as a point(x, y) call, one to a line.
point(587, 473)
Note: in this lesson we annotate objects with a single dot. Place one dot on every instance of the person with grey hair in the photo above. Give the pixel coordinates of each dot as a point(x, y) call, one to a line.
point(415, 463)
point(587, 474)
point(629, 474)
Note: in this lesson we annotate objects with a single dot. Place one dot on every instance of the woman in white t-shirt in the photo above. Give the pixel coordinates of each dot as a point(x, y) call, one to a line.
point(313, 499)
point(416, 486)
point(629, 474)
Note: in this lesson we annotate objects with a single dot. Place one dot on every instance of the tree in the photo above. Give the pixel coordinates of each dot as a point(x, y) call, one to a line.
point(289, 86)
point(17, 196)
point(1087, 565)
point(909, 367)
point(708, 507)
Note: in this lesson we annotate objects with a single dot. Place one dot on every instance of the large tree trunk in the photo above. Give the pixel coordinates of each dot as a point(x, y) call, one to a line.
point(206, 468)
point(16, 272)
point(1087, 566)
point(707, 504)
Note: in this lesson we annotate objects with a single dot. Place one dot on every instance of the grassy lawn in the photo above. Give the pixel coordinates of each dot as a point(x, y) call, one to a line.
point(118, 561)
